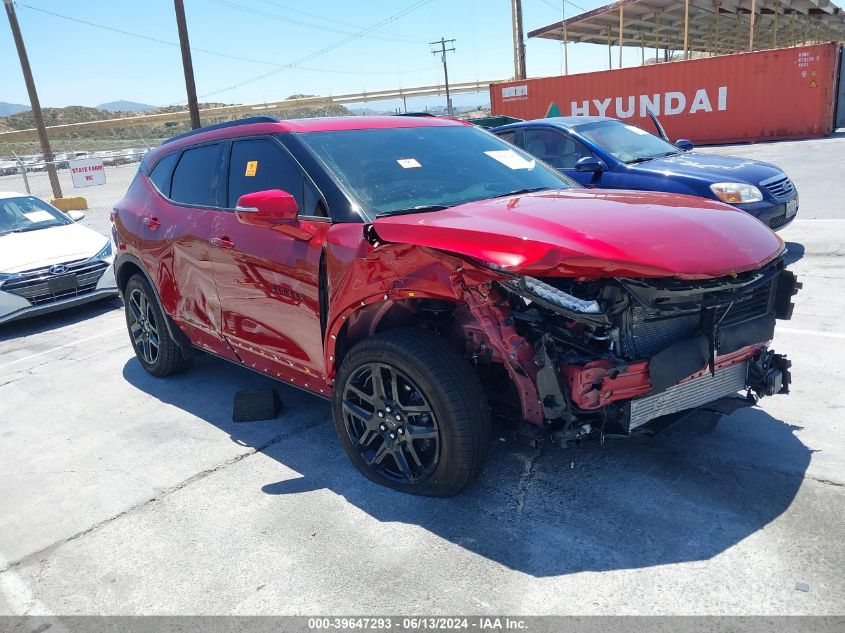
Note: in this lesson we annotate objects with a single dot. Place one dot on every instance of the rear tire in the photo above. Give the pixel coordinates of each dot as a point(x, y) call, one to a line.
point(411, 413)
point(157, 352)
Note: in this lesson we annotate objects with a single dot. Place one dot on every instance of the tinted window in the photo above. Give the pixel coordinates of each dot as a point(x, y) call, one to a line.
point(391, 170)
point(260, 164)
point(507, 136)
point(162, 173)
point(193, 180)
point(556, 148)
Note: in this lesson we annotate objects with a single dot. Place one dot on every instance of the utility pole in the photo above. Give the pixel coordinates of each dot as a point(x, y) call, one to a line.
point(33, 100)
point(518, 41)
point(443, 50)
point(188, 65)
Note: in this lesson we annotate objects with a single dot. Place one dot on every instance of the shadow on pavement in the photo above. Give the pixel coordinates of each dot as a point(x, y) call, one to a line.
point(54, 320)
point(794, 253)
point(625, 505)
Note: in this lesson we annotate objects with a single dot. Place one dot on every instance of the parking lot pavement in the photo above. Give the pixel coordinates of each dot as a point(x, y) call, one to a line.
point(122, 493)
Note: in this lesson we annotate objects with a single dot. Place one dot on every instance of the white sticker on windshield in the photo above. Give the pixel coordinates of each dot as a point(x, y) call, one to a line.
point(38, 216)
point(510, 158)
point(636, 130)
point(408, 163)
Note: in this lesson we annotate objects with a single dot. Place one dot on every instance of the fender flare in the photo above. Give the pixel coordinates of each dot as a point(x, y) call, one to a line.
point(175, 332)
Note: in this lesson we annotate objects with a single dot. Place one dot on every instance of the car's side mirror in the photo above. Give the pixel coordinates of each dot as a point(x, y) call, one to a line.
point(265, 208)
point(684, 144)
point(76, 216)
point(589, 163)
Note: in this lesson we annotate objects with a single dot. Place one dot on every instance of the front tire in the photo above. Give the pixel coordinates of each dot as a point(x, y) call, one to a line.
point(157, 352)
point(411, 414)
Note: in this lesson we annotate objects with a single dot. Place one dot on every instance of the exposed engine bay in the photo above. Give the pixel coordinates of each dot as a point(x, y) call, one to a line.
point(609, 356)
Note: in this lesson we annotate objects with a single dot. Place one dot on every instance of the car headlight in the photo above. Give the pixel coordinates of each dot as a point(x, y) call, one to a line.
point(736, 192)
point(4, 277)
point(104, 253)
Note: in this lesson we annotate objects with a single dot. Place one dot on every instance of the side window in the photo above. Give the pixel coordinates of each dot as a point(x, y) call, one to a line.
point(193, 179)
point(260, 164)
point(556, 148)
point(510, 137)
point(162, 173)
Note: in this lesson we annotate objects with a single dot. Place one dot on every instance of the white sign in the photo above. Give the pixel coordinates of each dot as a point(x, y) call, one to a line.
point(87, 172)
point(515, 93)
point(510, 158)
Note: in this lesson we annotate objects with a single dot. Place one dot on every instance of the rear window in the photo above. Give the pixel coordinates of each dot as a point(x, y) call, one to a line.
point(162, 173)
point(193, 179)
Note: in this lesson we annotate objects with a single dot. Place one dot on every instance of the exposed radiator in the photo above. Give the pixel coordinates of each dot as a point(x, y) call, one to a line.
point(688, 395)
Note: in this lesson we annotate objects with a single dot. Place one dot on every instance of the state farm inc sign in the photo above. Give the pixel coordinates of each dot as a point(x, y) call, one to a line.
point(86, 172)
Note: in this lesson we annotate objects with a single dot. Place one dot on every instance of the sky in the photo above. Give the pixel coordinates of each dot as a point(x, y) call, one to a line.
point(253, 51)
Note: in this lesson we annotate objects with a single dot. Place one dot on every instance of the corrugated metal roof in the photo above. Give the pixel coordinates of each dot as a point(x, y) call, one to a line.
point(715, 26)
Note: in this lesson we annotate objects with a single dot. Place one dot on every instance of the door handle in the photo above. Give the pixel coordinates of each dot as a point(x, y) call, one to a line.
point(151, 223)
point(222, 242)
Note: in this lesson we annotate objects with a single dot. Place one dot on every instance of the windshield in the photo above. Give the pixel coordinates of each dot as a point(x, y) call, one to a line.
point(28, 213)
point(626, 142)
point(397, 170)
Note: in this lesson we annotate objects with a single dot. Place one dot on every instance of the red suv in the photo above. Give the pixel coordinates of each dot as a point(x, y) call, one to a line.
point(420, 271)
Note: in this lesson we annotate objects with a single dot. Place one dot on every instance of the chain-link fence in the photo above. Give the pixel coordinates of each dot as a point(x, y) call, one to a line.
point(29, 175)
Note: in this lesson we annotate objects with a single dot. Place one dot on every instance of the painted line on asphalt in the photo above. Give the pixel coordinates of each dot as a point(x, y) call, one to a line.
point(58, 347)
point(791, 330)
point(819, 220)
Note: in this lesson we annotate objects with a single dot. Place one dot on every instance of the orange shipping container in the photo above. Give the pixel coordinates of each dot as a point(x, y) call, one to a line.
point(774, 94)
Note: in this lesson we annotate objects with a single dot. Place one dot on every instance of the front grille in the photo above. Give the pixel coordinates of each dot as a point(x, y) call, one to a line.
point(778, 221)
point(755, 304)
point(779, 187)
point(651, 333)
point(34, 285)
point(688, 395)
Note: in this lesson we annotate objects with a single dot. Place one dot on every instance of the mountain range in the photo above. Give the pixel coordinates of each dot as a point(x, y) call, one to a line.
point(11, 108)
point(125, 106)
point(7, 109)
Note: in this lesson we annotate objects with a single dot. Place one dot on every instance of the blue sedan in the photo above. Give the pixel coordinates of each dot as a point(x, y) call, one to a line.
point(608, 153)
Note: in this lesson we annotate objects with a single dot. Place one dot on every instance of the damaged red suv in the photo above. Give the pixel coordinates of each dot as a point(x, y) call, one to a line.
point(421, 272)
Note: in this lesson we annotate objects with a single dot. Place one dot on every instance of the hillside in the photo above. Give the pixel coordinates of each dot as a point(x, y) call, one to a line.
point(123, 136)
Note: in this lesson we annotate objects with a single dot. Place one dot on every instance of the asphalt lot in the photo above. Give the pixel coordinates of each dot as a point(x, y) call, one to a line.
point(125, 494)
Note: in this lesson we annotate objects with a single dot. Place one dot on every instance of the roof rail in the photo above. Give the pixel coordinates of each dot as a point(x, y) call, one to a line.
point(225, 124)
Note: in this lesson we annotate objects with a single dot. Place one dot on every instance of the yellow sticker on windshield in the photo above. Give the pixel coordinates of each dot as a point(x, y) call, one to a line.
point(251, 167)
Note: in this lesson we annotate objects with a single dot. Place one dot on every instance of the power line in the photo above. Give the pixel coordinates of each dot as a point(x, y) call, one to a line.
point(209, 52)
point(325, 19)
point(555, 6)
point(413, 7)
point(321, 27)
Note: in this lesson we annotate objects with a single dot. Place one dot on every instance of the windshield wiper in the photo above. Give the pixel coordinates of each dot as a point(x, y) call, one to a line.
point(643, 159)
point(517, 192)
point(27, 229)
point(419, 209)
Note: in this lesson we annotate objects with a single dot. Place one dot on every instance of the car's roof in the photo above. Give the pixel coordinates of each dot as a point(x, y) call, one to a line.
point(332, 124)
point(268, 125)
point(570, 122)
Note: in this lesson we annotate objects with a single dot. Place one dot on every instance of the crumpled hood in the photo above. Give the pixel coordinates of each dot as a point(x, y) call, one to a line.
point(710, 168)
point(595, 233)
point(45, 247)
